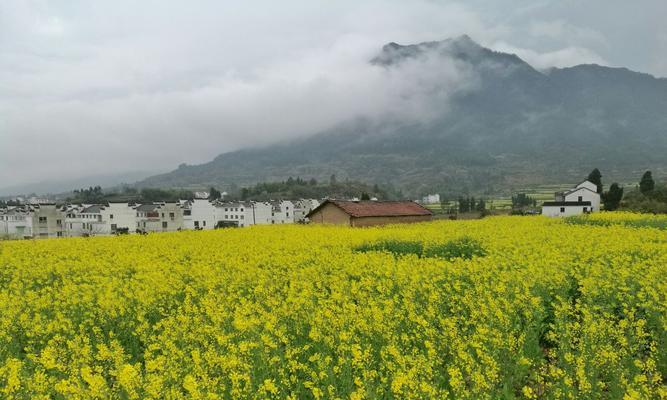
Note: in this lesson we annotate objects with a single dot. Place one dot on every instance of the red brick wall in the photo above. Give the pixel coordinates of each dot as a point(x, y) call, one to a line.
point(371, 221)
point(330, 214)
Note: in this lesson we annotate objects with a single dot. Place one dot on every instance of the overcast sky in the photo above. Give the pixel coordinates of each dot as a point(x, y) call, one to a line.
point(91, 87)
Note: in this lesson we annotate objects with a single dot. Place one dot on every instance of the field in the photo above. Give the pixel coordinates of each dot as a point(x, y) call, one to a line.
point(540, 193)
point(503, 307)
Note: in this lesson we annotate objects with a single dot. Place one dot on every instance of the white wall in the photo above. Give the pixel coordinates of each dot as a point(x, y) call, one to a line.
point(262, 213)
point(589, 185)
point(203, 212)
point(555, 211)
point(586, 195)
point(124, 216)
point(283, 212)
point(303, 207)
point(16, 225)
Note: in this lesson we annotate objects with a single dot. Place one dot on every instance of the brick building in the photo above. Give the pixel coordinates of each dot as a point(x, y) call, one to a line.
point(368, 213)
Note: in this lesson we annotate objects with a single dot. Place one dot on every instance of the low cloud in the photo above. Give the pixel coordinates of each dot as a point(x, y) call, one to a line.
point(89, 98)
point(97, 87)
point(561, 58)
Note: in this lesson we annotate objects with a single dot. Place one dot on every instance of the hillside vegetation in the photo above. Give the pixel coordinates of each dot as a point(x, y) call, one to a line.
point(505, 307)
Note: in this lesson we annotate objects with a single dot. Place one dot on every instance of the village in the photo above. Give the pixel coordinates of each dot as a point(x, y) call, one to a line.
point(42, 219)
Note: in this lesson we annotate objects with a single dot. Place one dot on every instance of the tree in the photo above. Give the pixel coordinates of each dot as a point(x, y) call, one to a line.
point(646, 184)
point(481, 205)
point(365, 196)
point(596, 177)
point(612, 198)
point(332, 180)
point(214, 194)
point(523, 200)
point(463, 205)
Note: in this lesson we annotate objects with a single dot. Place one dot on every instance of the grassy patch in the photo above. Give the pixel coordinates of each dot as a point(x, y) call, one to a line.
point(648, 221)
point(464, 247)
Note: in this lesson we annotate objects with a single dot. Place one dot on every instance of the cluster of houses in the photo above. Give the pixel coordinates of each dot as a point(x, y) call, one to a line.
point(45, 220)
point(48, 220)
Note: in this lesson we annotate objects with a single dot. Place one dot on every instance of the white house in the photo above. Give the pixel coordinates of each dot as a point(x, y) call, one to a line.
point(431, 199)
point(15, 223)
point(121, 217)
point(243, 213)
point(47, 220)
point(302, 207)
point(160, 217)
point(583, 198)
point(282, 212)
point(85, 220)
point(198, 214)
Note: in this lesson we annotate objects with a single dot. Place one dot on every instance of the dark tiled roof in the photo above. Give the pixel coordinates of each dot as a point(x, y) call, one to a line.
point(359, 209)
point(147, 207)
point(94, 209)
point(565, 203)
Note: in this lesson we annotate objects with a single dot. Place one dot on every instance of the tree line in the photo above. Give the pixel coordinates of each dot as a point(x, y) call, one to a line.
point(647, 196)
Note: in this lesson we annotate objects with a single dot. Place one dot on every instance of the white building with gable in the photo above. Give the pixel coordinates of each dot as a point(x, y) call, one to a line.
point(282, 212)
point(582, 199)
point(199, 214)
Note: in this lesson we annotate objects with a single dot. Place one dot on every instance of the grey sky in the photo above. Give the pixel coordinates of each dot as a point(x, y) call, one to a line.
point(92, 87)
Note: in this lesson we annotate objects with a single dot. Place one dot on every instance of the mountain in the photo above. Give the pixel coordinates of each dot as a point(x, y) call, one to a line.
point(509, 126)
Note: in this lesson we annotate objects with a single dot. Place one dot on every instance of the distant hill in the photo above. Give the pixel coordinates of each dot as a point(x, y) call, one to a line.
point(515, 126)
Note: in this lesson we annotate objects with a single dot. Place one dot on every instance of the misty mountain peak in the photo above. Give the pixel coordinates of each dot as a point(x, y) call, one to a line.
point(461, 48)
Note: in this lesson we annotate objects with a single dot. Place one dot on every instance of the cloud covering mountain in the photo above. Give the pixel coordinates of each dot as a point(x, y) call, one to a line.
point(88, 87)
point(470, 118)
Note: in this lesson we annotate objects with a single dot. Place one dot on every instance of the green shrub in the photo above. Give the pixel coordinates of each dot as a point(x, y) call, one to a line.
point(396, 247)
point(464, 247)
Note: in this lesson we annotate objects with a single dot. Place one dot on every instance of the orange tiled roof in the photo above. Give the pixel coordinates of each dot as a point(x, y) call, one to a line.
point(378, 208)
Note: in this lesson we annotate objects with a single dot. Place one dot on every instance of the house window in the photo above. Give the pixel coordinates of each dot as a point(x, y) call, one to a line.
point(164, 225)
point(287, 214)
point(241, 216)
point(114, 227)
point(162, 215)
point(70, 225)
point(59, 222)
point(204, 223)
point(110, 216)
point(581, 198)
point(59, 234)
point(196, 224)
point(562, 209)
point(172, 216)
point(585, 209)
point(42, 220)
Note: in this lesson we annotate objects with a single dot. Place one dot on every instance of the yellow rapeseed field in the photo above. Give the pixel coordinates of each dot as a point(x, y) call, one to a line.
point(505, 307)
